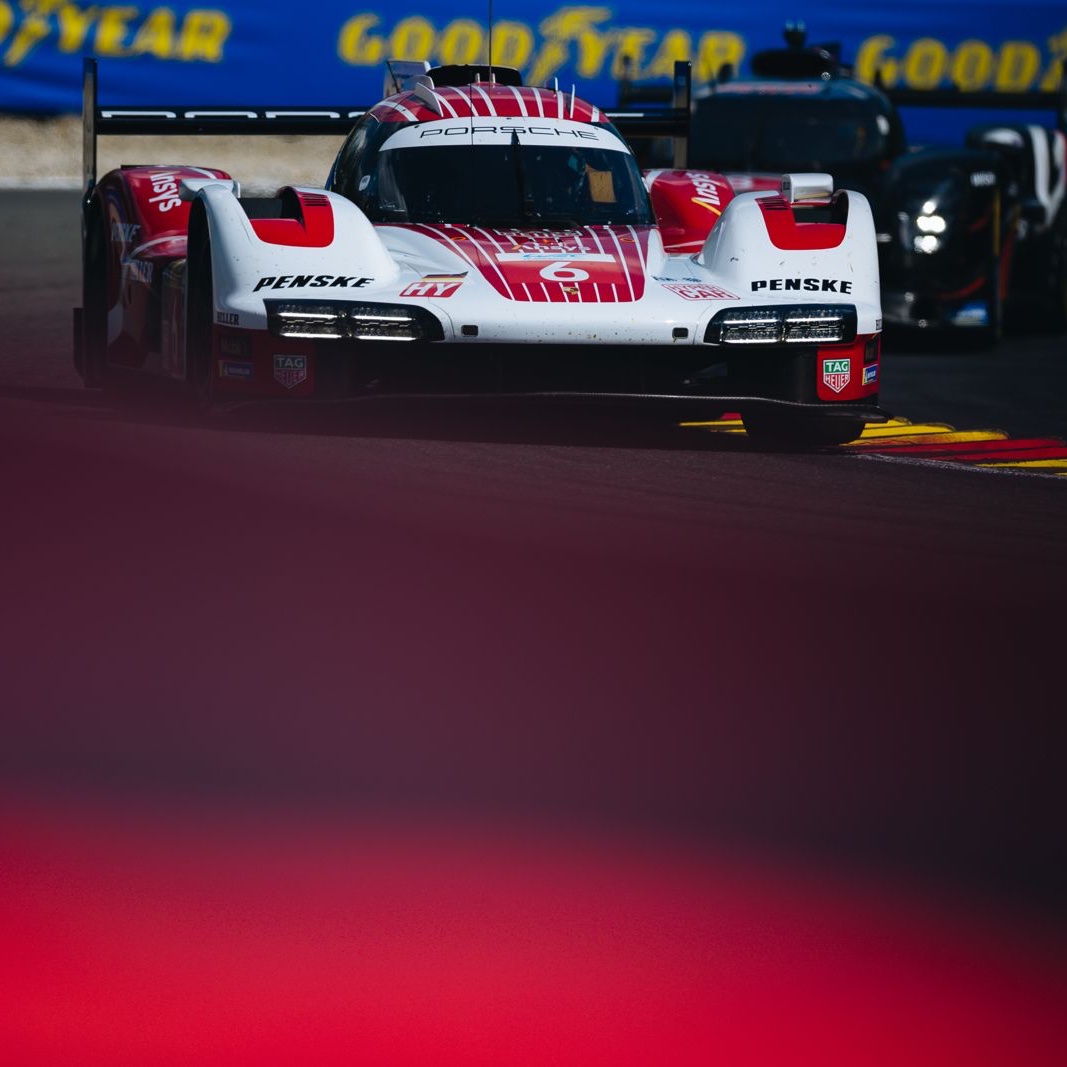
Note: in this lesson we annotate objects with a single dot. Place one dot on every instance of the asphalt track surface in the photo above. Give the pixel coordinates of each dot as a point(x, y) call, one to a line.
point(475, 734)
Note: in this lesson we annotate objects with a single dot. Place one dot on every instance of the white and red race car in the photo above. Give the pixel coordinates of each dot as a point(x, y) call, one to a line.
point(478, 235)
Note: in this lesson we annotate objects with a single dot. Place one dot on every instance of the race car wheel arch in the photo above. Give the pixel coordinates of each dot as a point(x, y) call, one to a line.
point(791, 430)
point(200, 305)
point(93, 367)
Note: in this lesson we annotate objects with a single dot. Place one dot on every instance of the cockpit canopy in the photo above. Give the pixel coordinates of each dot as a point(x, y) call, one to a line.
point(495, 172)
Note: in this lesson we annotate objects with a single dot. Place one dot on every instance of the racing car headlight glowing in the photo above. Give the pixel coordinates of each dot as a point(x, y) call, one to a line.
point(752, 326)
point(818, 324)
point(304, 320)
point(930, 228)
point(930, 224)
point(803, 324)
point(354, 322)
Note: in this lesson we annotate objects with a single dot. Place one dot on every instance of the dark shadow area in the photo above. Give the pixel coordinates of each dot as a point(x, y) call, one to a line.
point(583, 423)
point(914, 341)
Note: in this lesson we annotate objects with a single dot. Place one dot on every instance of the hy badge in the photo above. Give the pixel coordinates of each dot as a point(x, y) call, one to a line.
point(836, 373)
point(290, 371)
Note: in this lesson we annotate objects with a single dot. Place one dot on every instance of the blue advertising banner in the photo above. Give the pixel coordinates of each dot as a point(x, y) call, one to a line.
point(245, 52)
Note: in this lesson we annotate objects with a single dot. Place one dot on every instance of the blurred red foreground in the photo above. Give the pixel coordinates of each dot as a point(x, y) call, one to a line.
point(186, 936)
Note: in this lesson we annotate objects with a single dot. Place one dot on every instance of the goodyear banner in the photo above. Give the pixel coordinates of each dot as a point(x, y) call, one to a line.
point(332, 52)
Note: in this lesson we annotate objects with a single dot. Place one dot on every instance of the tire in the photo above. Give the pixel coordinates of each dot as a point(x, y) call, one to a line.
point(93, 360)
point(199, 329)
point(790, 430)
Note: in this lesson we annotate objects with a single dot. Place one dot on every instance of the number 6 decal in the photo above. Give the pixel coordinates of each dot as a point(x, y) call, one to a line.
point(560, 272)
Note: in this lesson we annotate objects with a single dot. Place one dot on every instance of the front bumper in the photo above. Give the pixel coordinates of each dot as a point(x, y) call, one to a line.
point(253, 363)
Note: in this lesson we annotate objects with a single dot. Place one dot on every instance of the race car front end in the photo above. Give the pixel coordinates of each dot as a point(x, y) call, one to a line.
point(777, 315)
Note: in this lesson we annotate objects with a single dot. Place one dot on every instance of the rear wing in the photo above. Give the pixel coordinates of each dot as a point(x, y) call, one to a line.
point(649, 120)
point(1054, 100)
point(168, 119)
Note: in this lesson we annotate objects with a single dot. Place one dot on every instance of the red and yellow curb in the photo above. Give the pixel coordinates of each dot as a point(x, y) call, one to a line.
point(940, 443)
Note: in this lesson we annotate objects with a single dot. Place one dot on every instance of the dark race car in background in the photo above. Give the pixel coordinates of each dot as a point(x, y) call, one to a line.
point(969, 235)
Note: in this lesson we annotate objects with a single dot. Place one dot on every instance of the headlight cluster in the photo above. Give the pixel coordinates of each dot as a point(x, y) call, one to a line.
point(800, 325)
point(924, 231)
point(354, 322)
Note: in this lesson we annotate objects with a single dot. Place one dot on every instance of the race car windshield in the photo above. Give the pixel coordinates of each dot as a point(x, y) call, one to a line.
point(506, 185)
point(753, 133)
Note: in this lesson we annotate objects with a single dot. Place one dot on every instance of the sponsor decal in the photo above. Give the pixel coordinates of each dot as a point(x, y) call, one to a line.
point(982, 179)
point(311, 281)
point(594, 40)
point(233, 346)
point(165, 188)
point(435, 285)
point(122, 30)
point(807, 285)
point(563, 242)
point(124, 232)
point(227, 318)
point(700, 291)
point(707, 191)
point(233, 368)
point(587, 257)
point(290, 371)
point(836, 373)
point(589, 37)
point(138, 270)
point(661, 278)
point(427, 132)
point(870, 374)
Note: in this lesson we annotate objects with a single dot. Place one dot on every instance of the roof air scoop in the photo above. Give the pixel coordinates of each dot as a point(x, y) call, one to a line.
point(808, 187)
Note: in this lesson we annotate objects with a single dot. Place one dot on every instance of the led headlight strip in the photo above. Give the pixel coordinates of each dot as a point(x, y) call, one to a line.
point(802, 324)
point(349, 321)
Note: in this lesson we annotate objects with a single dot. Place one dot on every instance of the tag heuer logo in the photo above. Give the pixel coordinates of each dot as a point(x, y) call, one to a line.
point(836, 373)
point(290, 371)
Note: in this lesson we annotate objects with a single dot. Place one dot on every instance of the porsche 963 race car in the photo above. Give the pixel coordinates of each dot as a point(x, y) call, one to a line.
point(476, 235)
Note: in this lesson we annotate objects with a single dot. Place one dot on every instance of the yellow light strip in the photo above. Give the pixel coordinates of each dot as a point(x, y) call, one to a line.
point(715, 424)
point(881, 430)
point(1028, 464)
point(932, 438)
